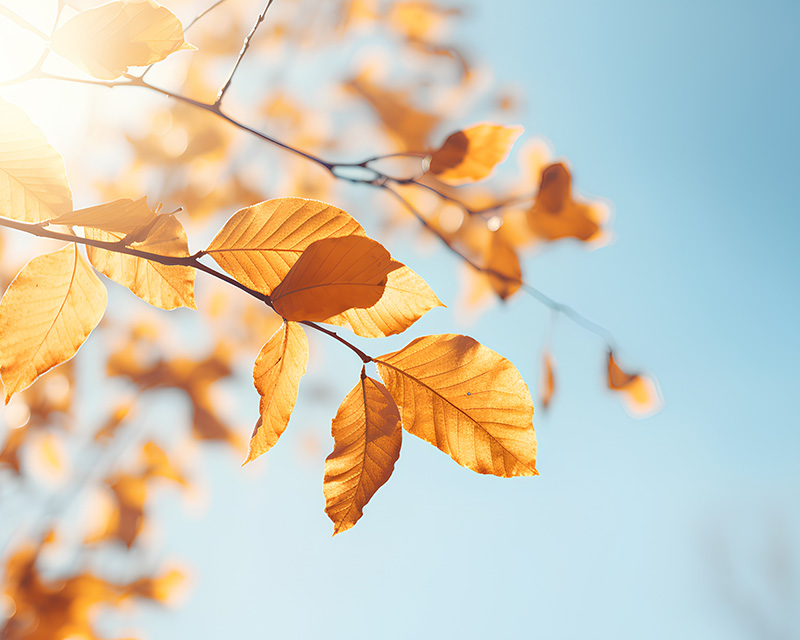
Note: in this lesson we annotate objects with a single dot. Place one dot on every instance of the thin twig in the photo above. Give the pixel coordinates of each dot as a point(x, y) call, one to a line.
point(22, 22)
point(245, 47)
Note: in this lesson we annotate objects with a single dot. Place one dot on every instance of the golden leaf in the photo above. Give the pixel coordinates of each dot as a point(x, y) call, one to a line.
point(640, 393)
point(276, 375)
point(406, 298)
point(331, 276)
point(123, 216)
point(471, 154)
point(367, 437)
point(547, 384)
point(259, 244)
point(46, 313)
point(163, 286)
point(503, 259)
point(466, 400)
point(106, 40)
point(33, 181)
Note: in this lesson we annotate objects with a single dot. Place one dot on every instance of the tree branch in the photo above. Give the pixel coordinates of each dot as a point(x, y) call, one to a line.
point(8, 13)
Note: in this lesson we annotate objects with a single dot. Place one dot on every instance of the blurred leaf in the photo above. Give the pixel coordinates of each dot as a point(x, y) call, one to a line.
point(547, 383)
point(640, 393)
point(367, 437)
point(465, 399)
point(503, 259)
point(471, 154)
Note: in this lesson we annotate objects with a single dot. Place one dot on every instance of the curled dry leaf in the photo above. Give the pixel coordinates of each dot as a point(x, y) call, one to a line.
point(367, 437)
point(471, 154)
point(106, 40)
point(33, 181)
point(163, 286)
point(259, 244)
point(502, 260)
point(46, 314)
point(331, 276)
point(276, 376)
point(640, 393)
point(466, 400)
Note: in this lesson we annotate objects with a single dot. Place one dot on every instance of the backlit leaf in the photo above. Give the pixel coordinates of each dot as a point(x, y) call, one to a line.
point(502, 259)
point(106, 40)
point(163, 286)
point(46, 313)
point(367, 437)
point(276, 375)
point(121, 216)
point(471, 154)
point(406, 298)
point(259, 244)
point(33, 181)
point(465, 399)
point(331, 276)
point(640, 393)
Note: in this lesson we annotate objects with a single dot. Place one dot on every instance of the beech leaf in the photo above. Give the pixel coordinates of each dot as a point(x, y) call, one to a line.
point(502, 259)
point(46, 314)
point(123, 216)
point(106, 40)
point(640, 393)
point(471, 154)
point(331, 276)
point(367, 437)
point(33, 181)
point(163, 286)
point(276, 375)
point(466, 400)
point(547, 383)
point(259, 244)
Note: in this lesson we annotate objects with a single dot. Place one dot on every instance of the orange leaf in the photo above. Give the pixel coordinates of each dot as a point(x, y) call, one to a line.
point(465, 399)
point(46, 314)
point(471, 154)
point(331, 276)
point(367, 437)
point(33, 181)
point(259, 244)
point(106, 40)
point(640, 393)
point(276, 375)
point(547, 384)
point(502, 259)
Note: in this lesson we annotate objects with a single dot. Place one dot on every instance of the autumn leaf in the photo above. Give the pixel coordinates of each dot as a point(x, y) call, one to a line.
point(259, 244)
point(471, 154)
point(367, 437)
point(46, 314)
point(502, 260)
point(163, 286)
point(331, 276)
point(465, 399)
point(106, 40)
point(640, 393)
point(547, 382)
point(406, 298)
point(276, 375)
point(33, 181)
point(123, 216)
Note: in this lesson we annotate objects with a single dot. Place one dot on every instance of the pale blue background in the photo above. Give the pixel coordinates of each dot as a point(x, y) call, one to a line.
point(684, 114)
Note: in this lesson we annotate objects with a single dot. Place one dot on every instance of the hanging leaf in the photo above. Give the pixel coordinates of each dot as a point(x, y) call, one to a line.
point(406, 298)
point(33, 181)
point(502, 259)
point(46, 314)
point(465, 399)
point(471, 154)
point(367, 437)
point(124, 216)
point(163, 286)
point(106, 40)
point(547, 381)
point(259, 244)
point(331, 276)
point(276, 375)
point(640, 393)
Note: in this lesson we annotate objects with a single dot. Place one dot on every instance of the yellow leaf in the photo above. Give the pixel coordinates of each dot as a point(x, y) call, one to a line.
point(331, 276)
point(640, 393)
point(163, 286)
point(259, 244)
point(465, 399)
point(503, 260)
point(406, 298)
point(46, 313)
point(276, 375)
point(108, 39)
point(471, 154)
point(124, 216)
point(367, 437)
point(33, 182)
